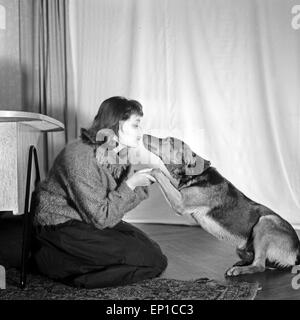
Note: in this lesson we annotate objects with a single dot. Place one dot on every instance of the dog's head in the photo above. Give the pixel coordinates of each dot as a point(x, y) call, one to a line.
point(182, 163)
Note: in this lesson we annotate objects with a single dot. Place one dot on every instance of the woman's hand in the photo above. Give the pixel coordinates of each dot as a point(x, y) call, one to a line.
point(140, 178)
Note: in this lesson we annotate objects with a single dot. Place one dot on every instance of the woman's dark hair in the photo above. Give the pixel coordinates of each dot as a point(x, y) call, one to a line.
point(110, 112)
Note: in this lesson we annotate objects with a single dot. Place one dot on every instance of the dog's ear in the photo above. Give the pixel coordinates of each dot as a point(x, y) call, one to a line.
point(200, 166)
point(193, 174)
point(194, 165)
point(188, 156)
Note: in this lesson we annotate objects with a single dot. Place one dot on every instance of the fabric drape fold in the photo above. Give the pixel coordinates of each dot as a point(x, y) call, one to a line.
point(221, 75)
point(45, 59)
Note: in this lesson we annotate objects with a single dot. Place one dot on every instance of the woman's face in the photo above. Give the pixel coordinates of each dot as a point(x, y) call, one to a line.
point(130, 131)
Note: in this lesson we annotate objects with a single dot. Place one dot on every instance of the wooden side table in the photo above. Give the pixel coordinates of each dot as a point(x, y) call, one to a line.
point(21, 144)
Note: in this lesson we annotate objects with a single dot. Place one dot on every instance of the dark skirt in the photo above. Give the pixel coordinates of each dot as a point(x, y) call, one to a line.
point(81, 255)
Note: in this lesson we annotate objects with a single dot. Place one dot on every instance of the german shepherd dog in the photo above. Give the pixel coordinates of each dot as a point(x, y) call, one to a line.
point(193, 187)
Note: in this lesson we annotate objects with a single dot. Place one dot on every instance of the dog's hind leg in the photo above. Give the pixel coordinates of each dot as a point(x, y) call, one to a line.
point(246, 256)
point(274, 242)
point(261, 241)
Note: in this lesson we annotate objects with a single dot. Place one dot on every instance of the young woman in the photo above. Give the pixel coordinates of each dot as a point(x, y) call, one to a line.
point(80, 238)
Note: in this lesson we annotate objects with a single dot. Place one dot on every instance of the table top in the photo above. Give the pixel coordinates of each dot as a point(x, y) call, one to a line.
point(39, 121)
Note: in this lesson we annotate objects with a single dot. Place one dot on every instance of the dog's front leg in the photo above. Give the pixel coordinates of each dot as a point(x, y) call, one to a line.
point(172, 195)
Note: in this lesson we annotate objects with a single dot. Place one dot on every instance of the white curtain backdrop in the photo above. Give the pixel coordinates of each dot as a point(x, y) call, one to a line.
point(223, 76)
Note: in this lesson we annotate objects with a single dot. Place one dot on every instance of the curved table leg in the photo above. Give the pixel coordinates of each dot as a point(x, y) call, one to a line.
point(28, 215)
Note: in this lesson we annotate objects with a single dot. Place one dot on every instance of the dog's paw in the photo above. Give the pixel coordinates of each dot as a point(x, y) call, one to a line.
point(233, 271)
point(236, 271)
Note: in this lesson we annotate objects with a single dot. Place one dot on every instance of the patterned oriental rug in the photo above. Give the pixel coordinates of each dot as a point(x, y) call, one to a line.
point(41, 288)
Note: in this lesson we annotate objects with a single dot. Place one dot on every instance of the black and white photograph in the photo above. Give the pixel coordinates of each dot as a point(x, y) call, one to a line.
point(149, 152)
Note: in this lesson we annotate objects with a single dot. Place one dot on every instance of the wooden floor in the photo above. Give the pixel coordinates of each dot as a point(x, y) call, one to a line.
point(193, 253)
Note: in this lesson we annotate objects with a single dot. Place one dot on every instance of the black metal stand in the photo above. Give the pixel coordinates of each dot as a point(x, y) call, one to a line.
point(28, 215)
